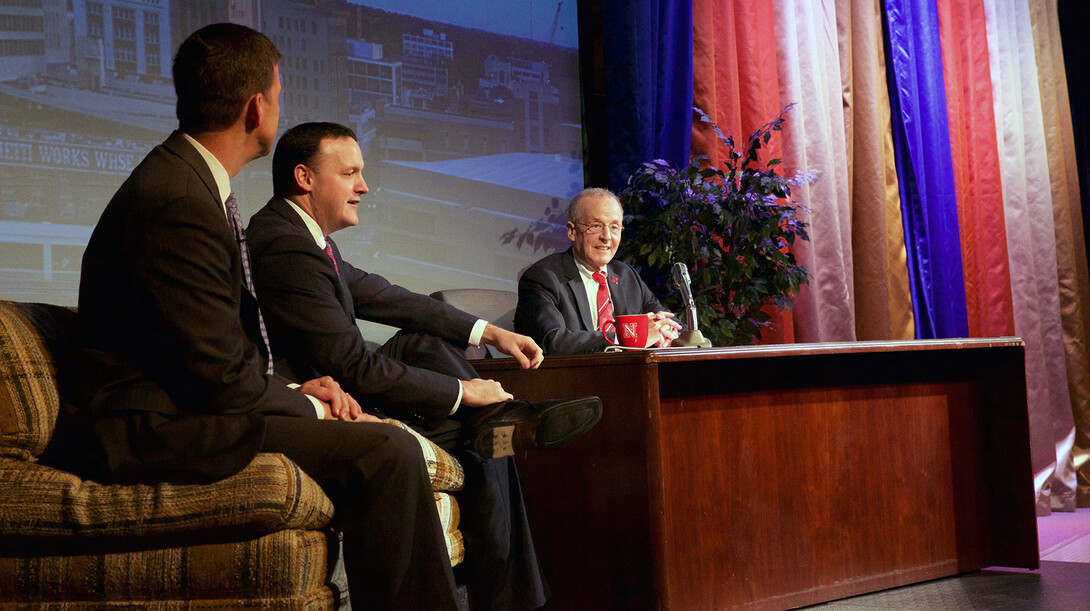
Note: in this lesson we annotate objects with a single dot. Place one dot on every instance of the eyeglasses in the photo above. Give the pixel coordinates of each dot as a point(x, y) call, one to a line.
point(597, 228)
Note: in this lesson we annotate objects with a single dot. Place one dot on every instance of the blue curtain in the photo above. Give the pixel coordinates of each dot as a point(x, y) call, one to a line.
point(647, 50)
point(925, 169)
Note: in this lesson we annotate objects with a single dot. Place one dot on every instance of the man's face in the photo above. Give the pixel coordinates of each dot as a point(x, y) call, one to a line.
point(596, 233)
point(270, 117)
point(337, 184)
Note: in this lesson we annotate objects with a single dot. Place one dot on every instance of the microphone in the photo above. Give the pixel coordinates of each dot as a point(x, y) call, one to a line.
point(692, 337)
point(680, 274)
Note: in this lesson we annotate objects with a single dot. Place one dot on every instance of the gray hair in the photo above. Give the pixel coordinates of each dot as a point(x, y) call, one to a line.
point(589, 194)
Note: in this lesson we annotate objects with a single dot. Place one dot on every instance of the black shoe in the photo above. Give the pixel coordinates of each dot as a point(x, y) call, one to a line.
point(504, 428)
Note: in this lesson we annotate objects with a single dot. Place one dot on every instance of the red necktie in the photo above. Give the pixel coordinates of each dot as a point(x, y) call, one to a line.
point(605, 305)
point(329, 251)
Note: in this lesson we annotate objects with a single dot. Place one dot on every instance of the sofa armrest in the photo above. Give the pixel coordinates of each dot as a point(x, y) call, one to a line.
point(272, 493)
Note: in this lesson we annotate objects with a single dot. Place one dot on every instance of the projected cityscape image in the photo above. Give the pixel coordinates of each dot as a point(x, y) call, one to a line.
point(467, 115)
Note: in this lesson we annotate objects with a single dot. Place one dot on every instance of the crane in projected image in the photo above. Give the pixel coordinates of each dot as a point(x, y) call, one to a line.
point(556, 21)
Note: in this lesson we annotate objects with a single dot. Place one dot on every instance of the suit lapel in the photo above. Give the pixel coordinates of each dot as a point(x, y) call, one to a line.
point(616, 292)
point(579, 290)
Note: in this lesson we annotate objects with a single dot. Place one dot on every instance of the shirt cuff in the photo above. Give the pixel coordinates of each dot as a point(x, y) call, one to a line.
point(319, 410)
point(458, 401)
point(477, 332)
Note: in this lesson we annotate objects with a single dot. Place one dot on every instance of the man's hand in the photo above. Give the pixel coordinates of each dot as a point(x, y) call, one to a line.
point(662, 329)
point(479, 393)
point(337, 404)
point(523, 348)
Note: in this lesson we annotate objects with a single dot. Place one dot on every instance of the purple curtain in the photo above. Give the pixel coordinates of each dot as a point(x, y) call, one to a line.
point(925, 169)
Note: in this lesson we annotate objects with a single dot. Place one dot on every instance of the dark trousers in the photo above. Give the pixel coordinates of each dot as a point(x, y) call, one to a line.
point(500, 568)
point(394, 553)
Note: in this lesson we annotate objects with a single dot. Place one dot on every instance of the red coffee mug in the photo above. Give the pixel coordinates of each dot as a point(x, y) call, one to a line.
point(632, 330)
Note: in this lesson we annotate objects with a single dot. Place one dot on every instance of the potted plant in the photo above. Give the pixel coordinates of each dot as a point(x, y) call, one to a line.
point(732, 227)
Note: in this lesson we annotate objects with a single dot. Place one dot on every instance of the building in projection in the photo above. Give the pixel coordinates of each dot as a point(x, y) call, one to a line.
point(310, 36)
point(122, 39)
point(33, 38)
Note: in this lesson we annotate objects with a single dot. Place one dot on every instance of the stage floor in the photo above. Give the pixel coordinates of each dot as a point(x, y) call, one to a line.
point(1061, 584)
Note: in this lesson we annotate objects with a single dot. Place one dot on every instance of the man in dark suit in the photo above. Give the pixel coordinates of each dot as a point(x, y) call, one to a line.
point(567, 301)
point(173, 382)
point(312, 299)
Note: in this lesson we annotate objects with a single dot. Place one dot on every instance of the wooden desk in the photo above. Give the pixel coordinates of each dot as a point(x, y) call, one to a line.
point(780, 476)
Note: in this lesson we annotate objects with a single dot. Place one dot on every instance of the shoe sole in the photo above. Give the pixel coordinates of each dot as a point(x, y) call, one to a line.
point(555, 427)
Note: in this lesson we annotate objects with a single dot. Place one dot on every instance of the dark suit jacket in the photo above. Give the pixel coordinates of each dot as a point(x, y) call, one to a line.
point(311, 317)
point(554, 310)
point(168, 384)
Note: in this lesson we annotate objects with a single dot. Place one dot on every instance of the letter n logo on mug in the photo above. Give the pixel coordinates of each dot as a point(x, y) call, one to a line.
point(633, 330)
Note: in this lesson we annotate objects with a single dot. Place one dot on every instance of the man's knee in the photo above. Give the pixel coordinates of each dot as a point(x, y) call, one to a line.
point(398, 452)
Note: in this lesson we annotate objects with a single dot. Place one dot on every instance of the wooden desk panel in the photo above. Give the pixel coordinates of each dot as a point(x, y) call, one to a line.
point(780, 476)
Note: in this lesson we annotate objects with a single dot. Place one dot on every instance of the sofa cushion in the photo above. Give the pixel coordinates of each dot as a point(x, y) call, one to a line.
point(29, 402)
point(444, 470)
point(282, 570)
point(271, 493)
point(449, 517)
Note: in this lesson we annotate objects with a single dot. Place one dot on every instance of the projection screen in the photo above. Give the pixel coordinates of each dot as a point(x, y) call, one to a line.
point(467, 113)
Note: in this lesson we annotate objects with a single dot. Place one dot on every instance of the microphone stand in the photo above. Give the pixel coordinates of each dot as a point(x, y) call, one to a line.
point(693, 336)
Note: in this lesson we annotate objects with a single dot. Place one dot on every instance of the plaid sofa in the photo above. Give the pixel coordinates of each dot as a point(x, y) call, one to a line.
point(258, 539)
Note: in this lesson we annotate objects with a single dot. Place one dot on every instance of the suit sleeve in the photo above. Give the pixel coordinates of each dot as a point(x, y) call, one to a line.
point(185, 260)
point(309, 325)
point(546, 312)
point(376, 300)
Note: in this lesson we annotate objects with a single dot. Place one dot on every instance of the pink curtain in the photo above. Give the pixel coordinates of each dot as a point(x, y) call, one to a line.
point(807, 46)
point(1031, 243)
point(1074, 285)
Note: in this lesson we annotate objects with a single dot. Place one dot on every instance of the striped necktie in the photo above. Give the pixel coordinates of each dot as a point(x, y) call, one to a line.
point(605, 304)
point(240, 236)
point(329, 251)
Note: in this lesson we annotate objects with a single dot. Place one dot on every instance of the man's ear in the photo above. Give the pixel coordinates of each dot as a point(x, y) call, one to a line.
point(304, 178)
point(253, 112)
point(571, 231)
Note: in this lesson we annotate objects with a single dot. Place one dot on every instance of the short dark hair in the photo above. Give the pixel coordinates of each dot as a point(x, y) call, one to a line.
point(589, 193)
point(216, 70)
point(299, 145)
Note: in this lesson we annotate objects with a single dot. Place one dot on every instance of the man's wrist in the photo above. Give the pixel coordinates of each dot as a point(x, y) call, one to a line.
point(477, 333)
point(319, 409)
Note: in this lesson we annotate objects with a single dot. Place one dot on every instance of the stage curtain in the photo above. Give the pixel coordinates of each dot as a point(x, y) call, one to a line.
point(648, 55)
point(975, 155)
point(883, 303)
point(1074, 22)
point(809, 71)
point(928, 199)
point(734, 82)
point(1071, 264)
point(1031, 246)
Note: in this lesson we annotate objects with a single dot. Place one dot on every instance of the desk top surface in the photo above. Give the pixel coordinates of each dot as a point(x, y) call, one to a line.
point(670, 355)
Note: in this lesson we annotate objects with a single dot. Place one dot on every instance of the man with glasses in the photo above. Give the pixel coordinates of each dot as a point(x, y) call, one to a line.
point(568, 300)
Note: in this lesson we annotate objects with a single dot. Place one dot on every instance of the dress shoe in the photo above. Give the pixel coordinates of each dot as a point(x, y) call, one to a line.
point(502, 429)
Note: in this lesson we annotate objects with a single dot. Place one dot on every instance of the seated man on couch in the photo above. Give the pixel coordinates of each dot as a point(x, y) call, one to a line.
point(568, 300)
point(312, 297)
point(172, 382)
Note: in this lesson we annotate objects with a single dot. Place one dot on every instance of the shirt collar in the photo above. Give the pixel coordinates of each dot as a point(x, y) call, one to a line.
point(586, 271)
point(312, 225)
point(219, 174)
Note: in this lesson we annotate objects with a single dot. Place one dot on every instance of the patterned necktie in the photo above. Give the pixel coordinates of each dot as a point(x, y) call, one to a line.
point(329, 251)
point(240, 236)
point(605, 304)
